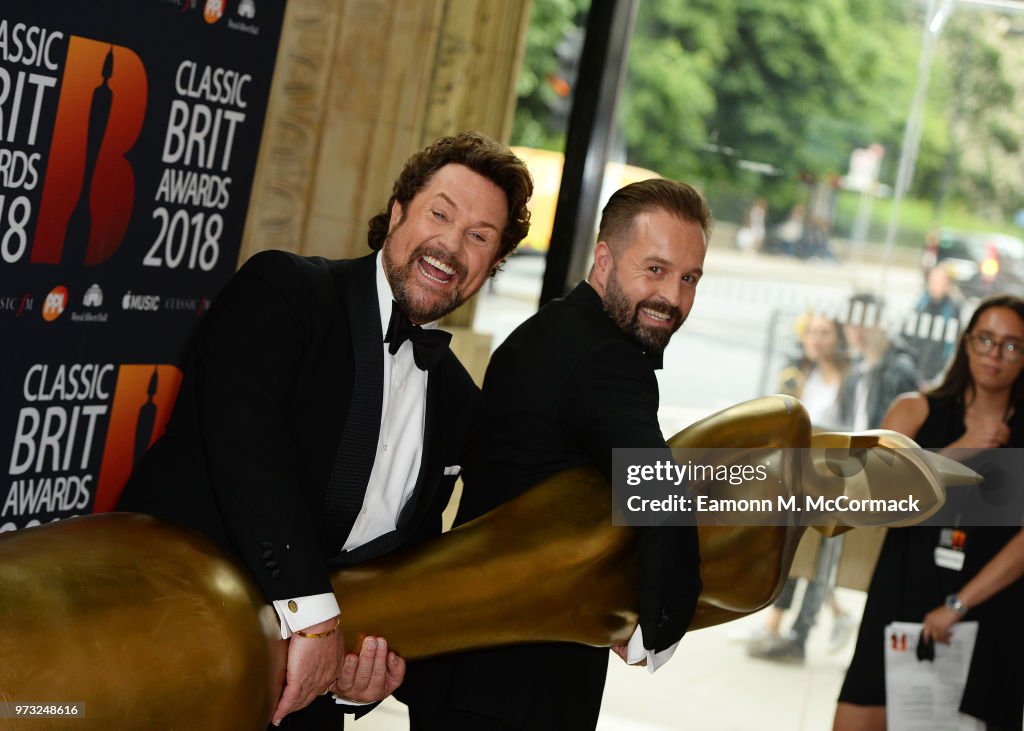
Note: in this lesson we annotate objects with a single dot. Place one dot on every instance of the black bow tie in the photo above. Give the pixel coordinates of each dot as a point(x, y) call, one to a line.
point(428, 346)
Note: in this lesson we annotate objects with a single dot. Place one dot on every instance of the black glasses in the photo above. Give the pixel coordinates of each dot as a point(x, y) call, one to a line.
point(1012, 350)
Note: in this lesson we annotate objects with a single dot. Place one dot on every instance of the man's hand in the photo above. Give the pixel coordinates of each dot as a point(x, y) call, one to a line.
point(371, 676)
point(314, 663)
point(623, 652)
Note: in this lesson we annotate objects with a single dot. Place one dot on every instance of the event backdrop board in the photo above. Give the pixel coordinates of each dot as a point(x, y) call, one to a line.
point(129, 131)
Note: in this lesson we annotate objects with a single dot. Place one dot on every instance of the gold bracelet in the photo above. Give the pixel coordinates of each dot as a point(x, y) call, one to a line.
point(319, 635)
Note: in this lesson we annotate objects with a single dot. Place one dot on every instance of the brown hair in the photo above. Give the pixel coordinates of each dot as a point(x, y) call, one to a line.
point(655, 194)
point(958, 383)
point(482, 155)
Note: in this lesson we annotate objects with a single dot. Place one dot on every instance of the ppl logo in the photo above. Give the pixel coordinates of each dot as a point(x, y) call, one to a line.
point(213, 10)
point(89, 186)
point(55, 303)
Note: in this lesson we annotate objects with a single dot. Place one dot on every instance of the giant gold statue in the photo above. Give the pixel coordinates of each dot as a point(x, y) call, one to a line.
point(152, 627)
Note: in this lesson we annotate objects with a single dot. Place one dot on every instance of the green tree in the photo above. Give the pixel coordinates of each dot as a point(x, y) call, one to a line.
point(540, 86)
point(720, 91)
point(974, 101)
point(805, 83)
point(677, 51)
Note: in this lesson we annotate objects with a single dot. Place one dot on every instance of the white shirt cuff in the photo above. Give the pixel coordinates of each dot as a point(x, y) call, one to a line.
point(636, 652)
point(301, 612)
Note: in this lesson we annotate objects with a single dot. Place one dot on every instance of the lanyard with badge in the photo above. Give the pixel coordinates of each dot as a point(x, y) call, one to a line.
point(950, 551)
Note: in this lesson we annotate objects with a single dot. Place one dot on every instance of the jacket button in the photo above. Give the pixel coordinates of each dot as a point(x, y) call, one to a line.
point(275, 574)
point(266, 544)
point(271, 564)
point(268, 554)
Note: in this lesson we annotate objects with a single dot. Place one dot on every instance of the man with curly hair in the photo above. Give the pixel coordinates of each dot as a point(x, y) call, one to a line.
point(322, 416)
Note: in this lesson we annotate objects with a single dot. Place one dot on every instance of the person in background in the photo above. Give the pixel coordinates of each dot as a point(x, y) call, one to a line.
point(790, 233)
point(934, 325)
point(750, 237)
point(816, 378)
point(883, 368)
point(939, 575)
point(816, 374)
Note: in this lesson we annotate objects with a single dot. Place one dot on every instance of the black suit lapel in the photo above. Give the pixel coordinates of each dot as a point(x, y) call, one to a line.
point(427, 479)
point(354, 459)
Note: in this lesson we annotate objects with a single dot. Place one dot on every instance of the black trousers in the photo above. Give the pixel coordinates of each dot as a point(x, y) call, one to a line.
point(541, 687)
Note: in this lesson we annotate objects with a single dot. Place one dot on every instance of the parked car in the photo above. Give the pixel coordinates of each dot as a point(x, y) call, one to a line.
point(980, 264)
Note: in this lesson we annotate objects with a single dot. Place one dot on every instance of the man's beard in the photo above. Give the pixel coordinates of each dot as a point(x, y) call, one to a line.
point(422, 307)
point(626, 315)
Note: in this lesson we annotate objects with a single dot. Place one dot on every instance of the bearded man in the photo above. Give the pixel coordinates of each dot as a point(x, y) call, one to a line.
point(322, 417)
point(570, 384)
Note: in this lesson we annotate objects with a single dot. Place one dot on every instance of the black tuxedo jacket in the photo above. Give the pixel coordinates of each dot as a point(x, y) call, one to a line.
point(274, 376)
point(280, 398)
point(562, 391)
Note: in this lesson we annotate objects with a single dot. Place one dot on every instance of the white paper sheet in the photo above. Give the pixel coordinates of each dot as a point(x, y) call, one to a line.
point(923, 695)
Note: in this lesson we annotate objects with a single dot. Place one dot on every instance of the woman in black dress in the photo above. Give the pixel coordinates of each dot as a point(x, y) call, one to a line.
point(980, 404)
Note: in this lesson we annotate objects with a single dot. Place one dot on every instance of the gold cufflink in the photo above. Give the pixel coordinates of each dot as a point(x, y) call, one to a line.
point(292, 606)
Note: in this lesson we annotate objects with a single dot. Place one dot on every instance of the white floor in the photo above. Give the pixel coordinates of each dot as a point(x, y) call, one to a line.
point(711, 685)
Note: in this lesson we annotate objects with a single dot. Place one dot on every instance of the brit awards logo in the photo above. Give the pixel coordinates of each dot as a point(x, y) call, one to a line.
point(89, 186)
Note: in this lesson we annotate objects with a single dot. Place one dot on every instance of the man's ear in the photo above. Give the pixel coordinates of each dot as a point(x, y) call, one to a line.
point(396, 216)
point(603, 264)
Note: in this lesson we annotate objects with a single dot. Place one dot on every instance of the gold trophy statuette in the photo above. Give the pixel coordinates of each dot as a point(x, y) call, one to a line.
point(151, 626)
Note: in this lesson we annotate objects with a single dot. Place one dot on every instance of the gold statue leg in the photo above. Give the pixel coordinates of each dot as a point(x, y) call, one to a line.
point(152, 627)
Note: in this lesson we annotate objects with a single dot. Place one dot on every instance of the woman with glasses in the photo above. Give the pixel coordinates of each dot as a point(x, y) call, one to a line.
point(936, 575)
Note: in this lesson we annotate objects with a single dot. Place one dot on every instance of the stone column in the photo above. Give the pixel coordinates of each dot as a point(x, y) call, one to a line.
point(283, 184)
point(359, 86)
point(480, 52)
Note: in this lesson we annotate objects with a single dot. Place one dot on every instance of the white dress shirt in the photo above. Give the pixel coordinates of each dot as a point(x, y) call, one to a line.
point(396, 464)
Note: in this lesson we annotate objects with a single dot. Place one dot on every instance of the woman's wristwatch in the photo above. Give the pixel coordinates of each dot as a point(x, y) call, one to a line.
point(954, 603)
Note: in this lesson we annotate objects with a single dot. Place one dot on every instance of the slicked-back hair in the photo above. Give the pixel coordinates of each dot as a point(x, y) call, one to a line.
point(958, 382)
point(482, 155)
point(656, 194)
